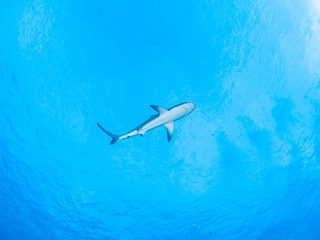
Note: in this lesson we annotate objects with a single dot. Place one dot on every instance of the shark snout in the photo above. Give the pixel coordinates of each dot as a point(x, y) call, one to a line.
point(190, 107)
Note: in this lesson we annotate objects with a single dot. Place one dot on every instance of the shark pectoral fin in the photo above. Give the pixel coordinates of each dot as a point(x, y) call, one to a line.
point(160, 110)
point(169, 127)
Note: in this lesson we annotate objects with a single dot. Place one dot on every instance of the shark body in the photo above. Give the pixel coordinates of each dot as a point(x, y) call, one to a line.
point(165, 117)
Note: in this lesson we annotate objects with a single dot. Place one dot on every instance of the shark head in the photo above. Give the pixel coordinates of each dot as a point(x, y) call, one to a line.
point(189, 107)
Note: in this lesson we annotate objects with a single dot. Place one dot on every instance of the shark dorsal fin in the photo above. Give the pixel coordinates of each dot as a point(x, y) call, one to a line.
point(169, 127)
point(160, 110)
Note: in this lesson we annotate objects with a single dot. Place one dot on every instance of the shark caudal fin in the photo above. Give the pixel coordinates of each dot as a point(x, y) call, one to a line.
point(115, 138)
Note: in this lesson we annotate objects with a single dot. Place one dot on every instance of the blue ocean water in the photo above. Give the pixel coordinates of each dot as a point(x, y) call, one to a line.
point(244, 165)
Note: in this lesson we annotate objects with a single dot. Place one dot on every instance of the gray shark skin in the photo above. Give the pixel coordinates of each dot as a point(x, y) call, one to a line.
point(165, 117)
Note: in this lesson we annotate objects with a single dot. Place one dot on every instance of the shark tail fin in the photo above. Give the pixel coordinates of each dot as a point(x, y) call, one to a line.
point(115, 138)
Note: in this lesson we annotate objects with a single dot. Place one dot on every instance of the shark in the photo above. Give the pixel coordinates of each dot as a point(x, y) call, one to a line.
point(165, 117)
